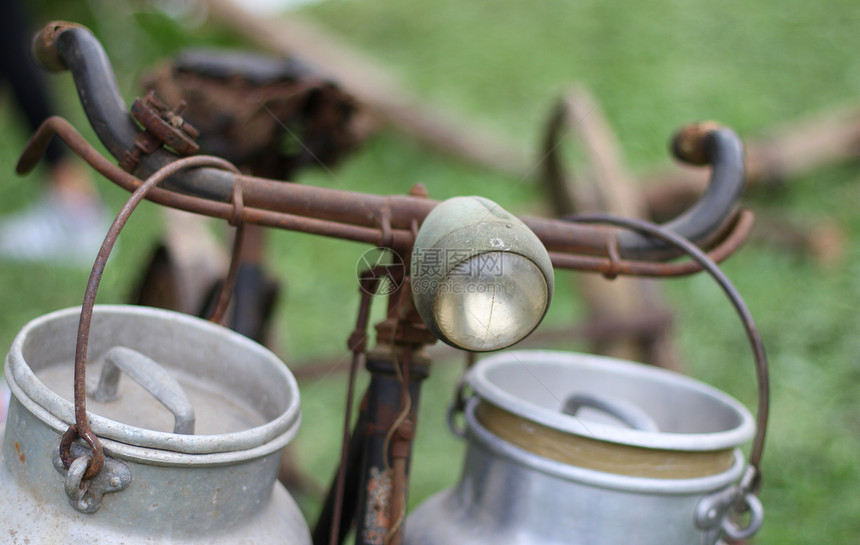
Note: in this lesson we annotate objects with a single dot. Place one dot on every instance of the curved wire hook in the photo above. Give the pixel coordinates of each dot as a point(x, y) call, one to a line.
point(81, 427)
point(761, 365)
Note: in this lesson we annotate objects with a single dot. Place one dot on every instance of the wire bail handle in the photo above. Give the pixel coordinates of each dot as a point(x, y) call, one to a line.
point(742, 497)
point(81, 427)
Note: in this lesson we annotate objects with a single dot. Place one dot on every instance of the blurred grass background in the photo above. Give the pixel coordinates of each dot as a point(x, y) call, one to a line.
point(653, 65)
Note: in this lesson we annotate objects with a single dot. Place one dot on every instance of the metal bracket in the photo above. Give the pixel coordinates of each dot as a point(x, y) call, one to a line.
point(166, 124)
point(86, 496)
point(161, 126)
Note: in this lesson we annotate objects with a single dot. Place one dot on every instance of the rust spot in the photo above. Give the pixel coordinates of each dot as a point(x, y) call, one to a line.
point(20, 454)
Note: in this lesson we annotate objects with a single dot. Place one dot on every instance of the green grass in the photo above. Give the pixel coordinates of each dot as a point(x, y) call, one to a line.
point(653, 65)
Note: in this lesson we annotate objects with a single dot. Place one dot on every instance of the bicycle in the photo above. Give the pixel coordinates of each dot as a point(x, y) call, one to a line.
point(431, 298)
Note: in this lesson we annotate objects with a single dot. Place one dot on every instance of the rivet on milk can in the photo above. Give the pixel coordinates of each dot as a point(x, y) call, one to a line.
point(575, 449)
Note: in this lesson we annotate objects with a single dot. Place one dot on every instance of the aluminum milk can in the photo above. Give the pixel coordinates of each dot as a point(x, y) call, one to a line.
point(585, 450)
point(193, 419)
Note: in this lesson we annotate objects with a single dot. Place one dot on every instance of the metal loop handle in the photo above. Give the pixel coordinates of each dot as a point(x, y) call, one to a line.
point(451, 420)
point(752, 504)
point(457, 407)
point(154, 379)
point(75, 485)
point(96, 460)
point(85, 495)
point(624, 411)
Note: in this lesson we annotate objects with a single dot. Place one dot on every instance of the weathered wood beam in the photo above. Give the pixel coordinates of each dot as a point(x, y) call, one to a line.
point(609, 188)
point(390, 102)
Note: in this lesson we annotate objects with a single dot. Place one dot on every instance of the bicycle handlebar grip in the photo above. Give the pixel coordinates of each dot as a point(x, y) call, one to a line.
point(68, 46)
point(45, 45)
point(699, 144)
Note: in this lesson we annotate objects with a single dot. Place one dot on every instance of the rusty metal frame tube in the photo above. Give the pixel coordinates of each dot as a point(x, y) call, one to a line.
point(571, 246)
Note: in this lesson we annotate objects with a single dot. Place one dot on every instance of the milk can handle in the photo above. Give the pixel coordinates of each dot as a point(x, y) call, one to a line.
point(744, 494)
point(626, 412)
point(154, 379)
point(81, 427)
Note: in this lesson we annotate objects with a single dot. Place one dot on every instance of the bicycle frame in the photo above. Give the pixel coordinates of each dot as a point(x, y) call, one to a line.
point(373, 479)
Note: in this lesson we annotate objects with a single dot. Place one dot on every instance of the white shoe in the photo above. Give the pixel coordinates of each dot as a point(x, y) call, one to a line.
point(54, 231)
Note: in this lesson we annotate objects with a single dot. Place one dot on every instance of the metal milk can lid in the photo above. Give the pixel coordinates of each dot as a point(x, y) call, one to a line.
point(611, 401)
point(162, 386)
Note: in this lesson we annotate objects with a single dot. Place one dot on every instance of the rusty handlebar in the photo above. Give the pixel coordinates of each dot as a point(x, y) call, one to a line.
point(383, 220)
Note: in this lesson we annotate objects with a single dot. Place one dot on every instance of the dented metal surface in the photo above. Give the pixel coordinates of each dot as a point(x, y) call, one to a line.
point(217, 487)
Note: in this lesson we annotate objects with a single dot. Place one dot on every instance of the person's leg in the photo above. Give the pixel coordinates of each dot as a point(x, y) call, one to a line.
point(68, 223)
point(19, 69)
